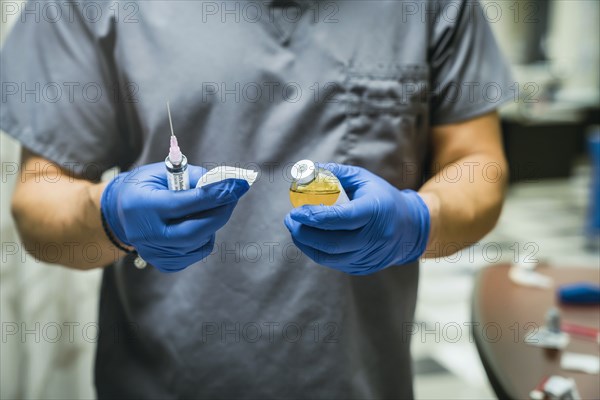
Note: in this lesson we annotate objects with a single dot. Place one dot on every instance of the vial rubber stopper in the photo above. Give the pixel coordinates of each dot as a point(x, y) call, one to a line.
point(304, 171)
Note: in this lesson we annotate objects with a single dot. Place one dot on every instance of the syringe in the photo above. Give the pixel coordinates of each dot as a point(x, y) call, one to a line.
point(176, 163)
point(177, 174)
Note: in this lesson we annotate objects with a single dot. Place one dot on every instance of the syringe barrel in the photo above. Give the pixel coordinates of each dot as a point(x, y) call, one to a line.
point(177, 175)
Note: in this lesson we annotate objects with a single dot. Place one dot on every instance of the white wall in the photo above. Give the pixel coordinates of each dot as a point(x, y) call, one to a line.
point(573, 42)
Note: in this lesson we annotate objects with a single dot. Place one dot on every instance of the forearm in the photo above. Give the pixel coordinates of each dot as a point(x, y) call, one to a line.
point(59, 222)
point(465, 206)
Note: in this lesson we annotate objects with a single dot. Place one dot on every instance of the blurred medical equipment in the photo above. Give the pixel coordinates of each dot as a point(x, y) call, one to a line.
point(549, 336)
point(555, 387)
point(587, 363)
point(581, 331)
point(579, 293)
point(525, 275)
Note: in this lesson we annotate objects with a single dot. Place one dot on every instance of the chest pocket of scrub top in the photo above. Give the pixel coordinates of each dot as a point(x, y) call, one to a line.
point(386, 111)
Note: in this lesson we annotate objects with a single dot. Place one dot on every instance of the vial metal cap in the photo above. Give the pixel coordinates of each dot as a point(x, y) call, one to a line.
point(304, 172)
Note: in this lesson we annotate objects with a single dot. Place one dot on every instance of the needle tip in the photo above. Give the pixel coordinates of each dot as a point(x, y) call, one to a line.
point(170, 120)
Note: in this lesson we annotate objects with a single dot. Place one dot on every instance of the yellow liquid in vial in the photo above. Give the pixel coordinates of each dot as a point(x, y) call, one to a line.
point(322, 191)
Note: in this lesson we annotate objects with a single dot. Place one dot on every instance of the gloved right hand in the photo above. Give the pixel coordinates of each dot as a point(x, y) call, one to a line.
point(170, 230)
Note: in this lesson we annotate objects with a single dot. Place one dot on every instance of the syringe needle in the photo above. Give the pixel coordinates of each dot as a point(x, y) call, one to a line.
point(176, 163)
point(174, 152)
point(170, 120)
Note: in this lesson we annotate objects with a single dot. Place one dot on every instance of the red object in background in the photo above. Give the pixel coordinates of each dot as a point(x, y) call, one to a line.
point(580, 330)
point(538, 393)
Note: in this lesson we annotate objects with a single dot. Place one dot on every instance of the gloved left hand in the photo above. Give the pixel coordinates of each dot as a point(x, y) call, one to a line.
point(381, 225)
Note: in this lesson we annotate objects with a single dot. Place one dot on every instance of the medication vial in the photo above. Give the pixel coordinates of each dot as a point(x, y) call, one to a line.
point(312, 185)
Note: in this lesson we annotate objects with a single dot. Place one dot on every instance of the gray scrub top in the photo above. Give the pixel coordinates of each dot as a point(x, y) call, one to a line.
point(257, 85)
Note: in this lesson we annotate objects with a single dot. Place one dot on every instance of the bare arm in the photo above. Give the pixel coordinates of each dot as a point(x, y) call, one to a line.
point(58, 216)
point(465, 195)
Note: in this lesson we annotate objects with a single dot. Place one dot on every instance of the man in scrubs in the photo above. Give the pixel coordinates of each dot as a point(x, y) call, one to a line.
point(244, 297)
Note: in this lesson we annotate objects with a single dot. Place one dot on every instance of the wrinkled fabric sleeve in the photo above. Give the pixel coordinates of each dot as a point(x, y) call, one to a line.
point(469, 75)
point(58, 94)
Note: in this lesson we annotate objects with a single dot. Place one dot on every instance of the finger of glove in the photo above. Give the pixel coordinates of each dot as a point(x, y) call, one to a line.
point(348, 216)
point(182, 203)
point(336, 261)
point(331, 242)
point(350, 176)
point(172, 262)
point(202, 252)
point(149, 175)
point(190, 230)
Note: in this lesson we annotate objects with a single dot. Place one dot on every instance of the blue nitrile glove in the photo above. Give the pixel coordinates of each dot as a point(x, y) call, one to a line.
point(170, 230)
point(379, 227)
